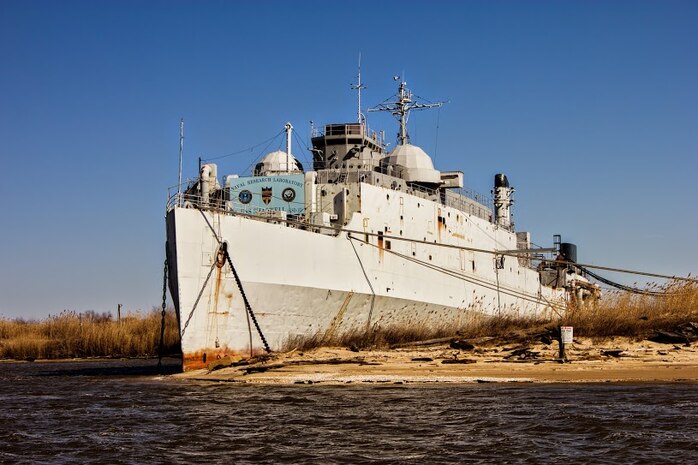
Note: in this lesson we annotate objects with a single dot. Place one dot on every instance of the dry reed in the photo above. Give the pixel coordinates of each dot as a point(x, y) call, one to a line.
point(71, 334)
point(636, 315)
point(89, 334)
point(616, 314)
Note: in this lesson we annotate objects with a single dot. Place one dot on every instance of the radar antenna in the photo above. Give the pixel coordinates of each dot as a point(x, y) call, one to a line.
point(358, 87)
point(402, 107)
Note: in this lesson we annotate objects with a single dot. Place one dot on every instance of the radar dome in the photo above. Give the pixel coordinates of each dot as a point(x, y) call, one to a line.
point(412, 164)
point(278, 162)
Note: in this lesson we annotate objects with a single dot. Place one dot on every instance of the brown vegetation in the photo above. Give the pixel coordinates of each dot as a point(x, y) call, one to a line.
point(71, 335)
point(637, 316)
point(89, 334)
point(616, 314)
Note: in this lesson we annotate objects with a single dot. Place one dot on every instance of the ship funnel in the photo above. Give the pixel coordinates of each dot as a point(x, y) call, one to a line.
point(502, 201)
point(208, 180)
point(500, 180)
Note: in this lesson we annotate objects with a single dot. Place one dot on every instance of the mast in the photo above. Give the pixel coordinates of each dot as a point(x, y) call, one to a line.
point(401, 109)
point(404, 99)
point(289, 130)
point(181, 149)
point(358, 87)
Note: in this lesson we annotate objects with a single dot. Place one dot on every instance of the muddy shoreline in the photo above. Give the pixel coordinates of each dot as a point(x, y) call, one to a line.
point(610, 360)
point(488, 360)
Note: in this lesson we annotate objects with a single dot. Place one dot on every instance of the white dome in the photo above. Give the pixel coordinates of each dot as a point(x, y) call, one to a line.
point(277, 162)
point(412, 164)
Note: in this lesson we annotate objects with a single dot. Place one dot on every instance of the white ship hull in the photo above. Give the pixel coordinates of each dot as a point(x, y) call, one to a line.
point(304, 283)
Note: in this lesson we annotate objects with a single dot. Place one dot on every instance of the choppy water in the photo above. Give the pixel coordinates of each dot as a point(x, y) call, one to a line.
point(122, 413)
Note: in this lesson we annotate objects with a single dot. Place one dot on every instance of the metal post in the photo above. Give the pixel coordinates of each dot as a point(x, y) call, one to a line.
point(566, 337)
point(118, 313)
point(403, 114)
point(181, 149)
point(358, 87)
point(289, 129)
point(561, 355)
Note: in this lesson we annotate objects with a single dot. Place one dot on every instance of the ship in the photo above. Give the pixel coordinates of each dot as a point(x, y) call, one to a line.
point(366, 239)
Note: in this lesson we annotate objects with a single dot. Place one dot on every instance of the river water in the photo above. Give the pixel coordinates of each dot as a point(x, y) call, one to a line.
point(123, 412)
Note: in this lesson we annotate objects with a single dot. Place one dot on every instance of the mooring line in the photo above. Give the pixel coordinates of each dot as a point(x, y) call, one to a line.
point(508, 253)
point(215, 235)
point(472, 280)
point(224, 247)
point(373, 292)
point(199, 297)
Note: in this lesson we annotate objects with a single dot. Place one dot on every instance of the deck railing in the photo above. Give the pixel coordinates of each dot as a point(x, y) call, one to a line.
point(463, 199)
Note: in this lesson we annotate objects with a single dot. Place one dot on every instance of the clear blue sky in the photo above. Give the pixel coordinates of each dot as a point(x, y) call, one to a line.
point(591, 108)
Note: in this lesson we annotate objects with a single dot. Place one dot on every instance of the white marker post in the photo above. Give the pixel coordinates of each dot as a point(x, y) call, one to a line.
point(566, 337)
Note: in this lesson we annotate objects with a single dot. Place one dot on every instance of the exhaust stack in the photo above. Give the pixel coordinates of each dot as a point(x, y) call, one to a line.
point(502, 201)
point(208, 181)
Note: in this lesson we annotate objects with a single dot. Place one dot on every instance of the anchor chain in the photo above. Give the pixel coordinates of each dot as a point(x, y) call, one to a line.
point(224, 249)
point(224, 246)
point(161, 348)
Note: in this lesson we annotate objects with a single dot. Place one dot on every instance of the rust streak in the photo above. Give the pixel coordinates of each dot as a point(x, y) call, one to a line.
point(219, 276)
point(229, 301)
point(337, 320)
point(220, 262)
point(381, 248)
point(205, 357)
point(441, 224)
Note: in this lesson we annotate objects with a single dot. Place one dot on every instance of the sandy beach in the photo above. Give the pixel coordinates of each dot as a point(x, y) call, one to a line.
point(609, 360)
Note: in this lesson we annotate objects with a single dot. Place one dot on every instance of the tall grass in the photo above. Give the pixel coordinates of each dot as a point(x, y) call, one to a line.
point(616, 314)
point(70, 334)
point(633, 315)
point(89, 334)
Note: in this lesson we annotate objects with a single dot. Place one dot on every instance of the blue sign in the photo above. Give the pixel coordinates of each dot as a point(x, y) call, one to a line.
point(269, 193)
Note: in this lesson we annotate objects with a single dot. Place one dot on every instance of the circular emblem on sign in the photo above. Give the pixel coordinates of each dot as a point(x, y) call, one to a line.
point(288, 194)
point(245, 196)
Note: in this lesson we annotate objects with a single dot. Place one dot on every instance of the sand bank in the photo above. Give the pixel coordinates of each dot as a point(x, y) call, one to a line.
point(610, 360)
